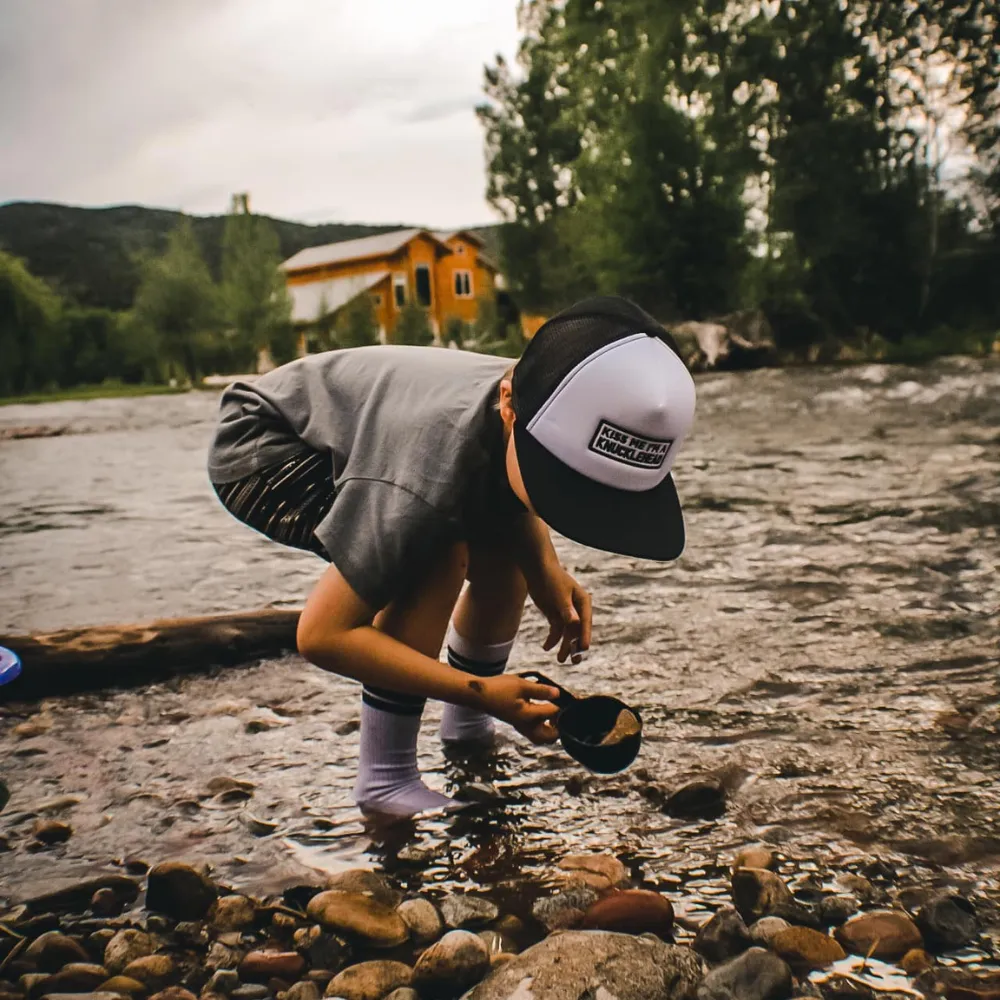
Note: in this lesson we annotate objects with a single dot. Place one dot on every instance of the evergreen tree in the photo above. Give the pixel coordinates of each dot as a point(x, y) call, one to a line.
point(357, 324)
point(413, 326)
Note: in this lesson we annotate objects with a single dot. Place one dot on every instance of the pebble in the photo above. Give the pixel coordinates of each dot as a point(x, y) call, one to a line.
point(566, 908)
point(353, 913)
point(423, 919)
point(179, 891)
point(220, 956)
point(325, 950)
point(755, 857)
point(366, 882)
point(463, 909)
point(263, 965)
point(758, 893)
point(403, 993)
point(498, 943)
point(223, 981)
point(916, 961)
point(603, 866)
point(174, 993)
point(890, 933)
point(631, 911)
point(105, 903)
point(453, 964)
point(803, 948)
point(947, 921)
point(125, 947)
point(52, 950)
point(31, 981)
point(51, 831)
point(76, 977)
point(252, 991)
point(232, 913)
point(856, 884)
point(763, 931)
point(696, 800)
point(85, 995)
point(757, 974)
point(724, 936)
point(369, 980)
point(153, 970)
point(305, 990)
point(834, 910)
point(123, 984)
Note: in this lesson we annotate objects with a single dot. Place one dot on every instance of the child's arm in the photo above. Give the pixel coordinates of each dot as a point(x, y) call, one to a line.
point(335, 633)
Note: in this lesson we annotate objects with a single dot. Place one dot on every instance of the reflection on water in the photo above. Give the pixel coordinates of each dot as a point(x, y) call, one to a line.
point(826, 650)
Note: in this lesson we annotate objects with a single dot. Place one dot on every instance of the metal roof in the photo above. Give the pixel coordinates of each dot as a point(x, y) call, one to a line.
point(367, 246)
point(311, 300)
point(468, 234)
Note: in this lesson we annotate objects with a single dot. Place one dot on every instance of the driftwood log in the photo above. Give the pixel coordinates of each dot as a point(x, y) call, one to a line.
point(101, 656)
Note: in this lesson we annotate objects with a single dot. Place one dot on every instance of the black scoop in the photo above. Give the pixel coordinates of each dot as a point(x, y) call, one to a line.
point(587, 728)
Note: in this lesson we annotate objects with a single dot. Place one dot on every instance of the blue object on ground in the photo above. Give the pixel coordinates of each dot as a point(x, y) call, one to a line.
point(10, 665)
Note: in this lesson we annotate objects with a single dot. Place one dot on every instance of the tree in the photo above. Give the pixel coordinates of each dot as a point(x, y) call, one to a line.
point(357, 324)
point(179, 305)
point(413, 326)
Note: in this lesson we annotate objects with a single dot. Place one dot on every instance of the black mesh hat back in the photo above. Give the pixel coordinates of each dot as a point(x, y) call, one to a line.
point(570, 337)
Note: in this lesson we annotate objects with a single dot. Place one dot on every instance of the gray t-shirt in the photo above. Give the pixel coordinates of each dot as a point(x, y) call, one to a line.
point(415, 442)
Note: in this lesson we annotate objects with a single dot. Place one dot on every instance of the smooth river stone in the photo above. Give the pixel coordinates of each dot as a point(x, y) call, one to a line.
point(423, 919)
point(453, 964)
point(804, 948)
point(125, 947)
point(724, 936)
point(179, 891)
point(890, 933)
point(758, 892)
point(232, 913)
point(462, 910)
point(52, 950)
point(757, 974)
point(605, 866)
point(353, 913)
point(366, 882)
point(264, 965)
point(369, 980)
point(754, 857)
point(631, 911)
point(948, 921)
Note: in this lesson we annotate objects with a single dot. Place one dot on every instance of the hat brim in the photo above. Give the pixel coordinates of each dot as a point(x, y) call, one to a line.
point(648, 525)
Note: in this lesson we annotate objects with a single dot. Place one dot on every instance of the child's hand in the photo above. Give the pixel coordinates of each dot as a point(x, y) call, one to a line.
point(523, 704)
point(566, 606)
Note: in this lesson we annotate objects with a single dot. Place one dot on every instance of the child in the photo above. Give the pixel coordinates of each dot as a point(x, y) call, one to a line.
point(414, 471)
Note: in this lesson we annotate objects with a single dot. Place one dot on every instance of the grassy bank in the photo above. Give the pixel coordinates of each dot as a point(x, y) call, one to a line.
point(104, 391)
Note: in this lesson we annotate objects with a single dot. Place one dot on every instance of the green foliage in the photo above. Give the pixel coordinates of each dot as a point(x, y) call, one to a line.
point(357, 323)
point(456, 331)
point(487, 325)
point(413, 326)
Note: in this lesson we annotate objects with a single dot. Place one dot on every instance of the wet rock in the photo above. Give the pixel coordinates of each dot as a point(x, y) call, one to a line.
point(223, 981)
point(221, 956)
point(604, 866)
point(304, 990)
point(51, 831)
point(758, 893)
point(696, 800)
point(595, 964)
point(566, 908)
point(251, 991)
point(232, 913)
point(76, 898)
point(498, 943)
point(462, 909)
point(763, 931)
point(325, 950)
point(156, 922)
point(76, 977)
point(451, 965)
point(174, 993)
point(367, 883)
point(52, 950)
point(223, 783)
point(83, 995)
point(32, 983)
point(369, 980)
point(915, 962)
point(156, 971)
point(972, 988)
point(422, 918)
point(885, 934)
point(123, 985)
point(631, 911)
point(724, 936)
point(947, 921)
point(797, 913)
point(263, 965)
point(192, 932)
point(834, 910)
point(361, 916)
point(755, 975)
point(858, 885)
point(125, 947)
point(805, 949)
point(755, 857)
point(105, 903)
point(403, 993)
point(179, 890)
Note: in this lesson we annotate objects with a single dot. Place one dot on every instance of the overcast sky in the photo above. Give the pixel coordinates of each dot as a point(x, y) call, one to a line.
point(324, 110)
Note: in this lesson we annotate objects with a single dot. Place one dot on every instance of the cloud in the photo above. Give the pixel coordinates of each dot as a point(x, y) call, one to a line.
point(365, 109)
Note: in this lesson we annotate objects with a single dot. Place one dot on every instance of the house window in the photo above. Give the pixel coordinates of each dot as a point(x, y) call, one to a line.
point(423, 276)
point(463, 284)
point(399, 289)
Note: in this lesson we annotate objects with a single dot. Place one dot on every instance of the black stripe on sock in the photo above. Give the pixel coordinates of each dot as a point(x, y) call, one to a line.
point(390, 701)
point(476, 667)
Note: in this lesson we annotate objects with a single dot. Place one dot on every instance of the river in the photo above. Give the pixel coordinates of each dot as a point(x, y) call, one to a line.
point(826, 651)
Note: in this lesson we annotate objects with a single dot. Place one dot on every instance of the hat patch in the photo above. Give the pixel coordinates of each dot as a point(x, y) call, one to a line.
point(626, 448)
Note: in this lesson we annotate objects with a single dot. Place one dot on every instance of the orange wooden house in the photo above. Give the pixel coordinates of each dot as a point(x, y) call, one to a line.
point(444, 273)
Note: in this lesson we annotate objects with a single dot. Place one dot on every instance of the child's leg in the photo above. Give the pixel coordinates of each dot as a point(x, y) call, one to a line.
point(388, 777)
point(482, 633)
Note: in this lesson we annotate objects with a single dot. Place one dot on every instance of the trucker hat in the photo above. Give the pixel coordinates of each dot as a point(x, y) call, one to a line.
point(603, 403)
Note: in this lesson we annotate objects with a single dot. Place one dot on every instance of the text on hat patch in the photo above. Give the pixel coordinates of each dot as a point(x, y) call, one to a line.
point(630, 449)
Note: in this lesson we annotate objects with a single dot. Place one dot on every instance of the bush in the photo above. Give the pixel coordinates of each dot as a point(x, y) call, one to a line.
point(456, 330)
point(357, 324)
point(413, 327)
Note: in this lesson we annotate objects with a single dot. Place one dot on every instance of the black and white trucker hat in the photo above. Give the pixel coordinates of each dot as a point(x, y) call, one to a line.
point(603, 404)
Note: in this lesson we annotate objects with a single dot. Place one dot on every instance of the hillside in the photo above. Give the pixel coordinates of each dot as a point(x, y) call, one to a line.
point(92, 254)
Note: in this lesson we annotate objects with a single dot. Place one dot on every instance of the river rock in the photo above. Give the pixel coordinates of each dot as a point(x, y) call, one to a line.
point(462, 909)
point(232, 913)
point(179, 891)
point(724, 936)
point(367, 883)
point(797, 913)
point(967, 987)
point(52, 950)
point(174, 993)
point(763, 930)
point(51, 831)
point(858, 885)
point(605, 867)
point(125, 947)
point(947, 921)
point(304, 990)
point(423, 919)
point(251, 991)
point(758, 892)
point(325, 950)
point(631, 911)
point(578, 964)
point(155, 971)
point(451, 965)
point(755, 857)
point(834, 910)
point(566, 908)
point(76, 977)
point(696, 800)
point(124, 986)
point(403, 993)
point(361, 916)
point(890, 933)
point(260, 966)
point(105, 903)
point(915, 962)
point(223, 982)
point(221, 956)
point(757, 974)
point(498, 943)
point(369, 980)
point(86, 995)
point(803, 948)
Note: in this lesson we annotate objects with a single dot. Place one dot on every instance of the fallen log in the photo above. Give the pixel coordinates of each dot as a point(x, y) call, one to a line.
point(99, 656)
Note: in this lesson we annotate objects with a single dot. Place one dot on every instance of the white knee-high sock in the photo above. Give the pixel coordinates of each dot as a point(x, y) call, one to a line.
point(460, 724)
point(388, 779)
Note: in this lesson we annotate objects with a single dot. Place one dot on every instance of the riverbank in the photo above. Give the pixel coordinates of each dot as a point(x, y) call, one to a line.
point(79, 392)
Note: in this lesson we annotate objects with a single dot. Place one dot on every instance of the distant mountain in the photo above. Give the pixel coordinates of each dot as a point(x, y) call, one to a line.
point(92, 254)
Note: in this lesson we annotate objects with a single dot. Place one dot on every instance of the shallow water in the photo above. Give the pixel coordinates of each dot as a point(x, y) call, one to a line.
point(827, 648)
